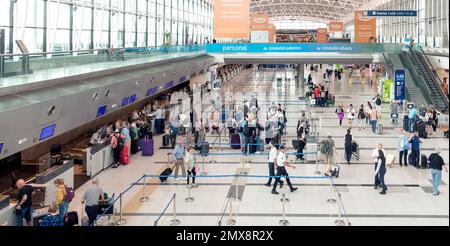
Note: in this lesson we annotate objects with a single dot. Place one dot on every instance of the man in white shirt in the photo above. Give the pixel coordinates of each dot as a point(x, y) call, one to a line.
point(282, 163)
point(272, 156)
point(95, 138)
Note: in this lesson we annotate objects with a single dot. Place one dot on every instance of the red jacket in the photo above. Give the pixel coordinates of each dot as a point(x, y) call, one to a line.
point(317, 92)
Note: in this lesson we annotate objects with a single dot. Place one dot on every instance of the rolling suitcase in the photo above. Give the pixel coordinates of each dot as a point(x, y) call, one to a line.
point(147, 147)
point(335, 170)
point(379, 129)
point(165, 140)
point(406, 123)
point(204, 148)
point(411, 159)
point(424, 161)
point(235, 141)
point(124, 156)
point(164, 175)
point(421, 130)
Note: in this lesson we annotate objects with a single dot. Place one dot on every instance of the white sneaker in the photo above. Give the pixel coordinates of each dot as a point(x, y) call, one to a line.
point(257, 152)
point(177, 179)
point(195, 185)
point(184, 178)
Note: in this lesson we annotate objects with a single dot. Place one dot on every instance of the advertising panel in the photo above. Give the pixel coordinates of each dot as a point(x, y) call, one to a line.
point(231, 18)
point(365, 27)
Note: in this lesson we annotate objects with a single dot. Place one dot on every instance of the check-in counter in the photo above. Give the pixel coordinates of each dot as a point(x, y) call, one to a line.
point(98, 157)
point(44, 182)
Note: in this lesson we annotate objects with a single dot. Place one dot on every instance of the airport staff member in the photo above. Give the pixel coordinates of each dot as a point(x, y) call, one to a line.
point(281, 162)
point(95, 138)
point(91, 198)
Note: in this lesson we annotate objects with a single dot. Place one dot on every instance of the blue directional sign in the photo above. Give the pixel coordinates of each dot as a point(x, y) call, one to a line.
point(400, 86)
point(391, 13)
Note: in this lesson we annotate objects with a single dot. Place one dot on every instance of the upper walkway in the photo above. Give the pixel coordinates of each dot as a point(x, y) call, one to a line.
point(20, 71)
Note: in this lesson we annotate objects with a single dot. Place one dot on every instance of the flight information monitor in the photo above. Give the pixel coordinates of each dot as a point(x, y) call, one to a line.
point(101, 111)
point(1, 148)
point(47, 132)
point(125, 101)
point(132, 98)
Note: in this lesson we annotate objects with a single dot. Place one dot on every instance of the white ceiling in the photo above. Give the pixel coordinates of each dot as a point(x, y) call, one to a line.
point(313, 10)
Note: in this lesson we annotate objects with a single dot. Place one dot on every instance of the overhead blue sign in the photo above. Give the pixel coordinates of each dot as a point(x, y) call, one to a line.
point(293, 47)
point(152, 91)
point(391, 13)
point(168, 85)
point(400, 85)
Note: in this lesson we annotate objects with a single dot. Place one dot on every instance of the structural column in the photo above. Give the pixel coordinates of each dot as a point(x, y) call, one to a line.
point(300, 74)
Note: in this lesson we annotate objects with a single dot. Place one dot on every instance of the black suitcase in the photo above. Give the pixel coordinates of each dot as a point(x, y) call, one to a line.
point(252, 144)
point(411, 159)
point(423, 161)
point(165, 140)
point(406, 123)
point(296, 144)
point(196, 137)
point(164, 175)
point(204, 148)
point(71, 219)
point(421, 130)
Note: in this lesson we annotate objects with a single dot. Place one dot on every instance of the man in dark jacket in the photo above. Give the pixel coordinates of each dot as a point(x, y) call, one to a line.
point(348, 146)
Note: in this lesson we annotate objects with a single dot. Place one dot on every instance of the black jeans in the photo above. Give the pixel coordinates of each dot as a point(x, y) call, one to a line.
point(281, 171)
point(348, 153)
point(416, 157)
point(379, 178)
point(271, 172)
point(192, 173)
point(116, 154)
point(91, 212)
point(404, 156)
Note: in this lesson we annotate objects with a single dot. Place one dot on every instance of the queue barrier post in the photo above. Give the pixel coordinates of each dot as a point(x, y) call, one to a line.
point(284, 197)
point(203, 173)
point(121, 220)
point(333, 199)
point(284, 221)
point(174, 221)
point(230, 220)
point(144, 198)
point(317, 172)
point(236, 190)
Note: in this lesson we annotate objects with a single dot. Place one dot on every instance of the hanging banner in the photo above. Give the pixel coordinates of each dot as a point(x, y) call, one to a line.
point(259, 22)
point(231, 18)
point(272, 33)
point(365, 28)
point(322, 35)
point(400, 86)
point(335, 26)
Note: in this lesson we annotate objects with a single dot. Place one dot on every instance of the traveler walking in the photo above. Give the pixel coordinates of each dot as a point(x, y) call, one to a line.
point(361, 118)
point(178, 155)
point(374, 115)
point(340, 114)
point(412, 118)
point(281, 163)
point(403, 146)
point(328, 148)
point(379, 157)
point(272, 156)
point(350, 115)
point(378, 103)
point(348, 146)
point(436, 165)
point(415, 148)
point(191, 165)
point(91, 198)
point(367, 110)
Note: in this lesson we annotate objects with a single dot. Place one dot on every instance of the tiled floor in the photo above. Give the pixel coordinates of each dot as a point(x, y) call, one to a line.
point(407, 203)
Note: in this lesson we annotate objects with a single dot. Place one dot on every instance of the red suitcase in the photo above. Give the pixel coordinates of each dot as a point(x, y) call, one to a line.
point(124, 156)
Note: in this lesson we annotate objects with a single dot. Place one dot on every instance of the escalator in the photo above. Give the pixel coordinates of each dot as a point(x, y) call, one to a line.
point(425, 69)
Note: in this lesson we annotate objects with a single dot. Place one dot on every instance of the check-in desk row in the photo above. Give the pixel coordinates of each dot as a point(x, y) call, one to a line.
point(93, 158)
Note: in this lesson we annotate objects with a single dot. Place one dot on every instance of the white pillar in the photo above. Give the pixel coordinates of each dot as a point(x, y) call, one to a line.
point(300, 73)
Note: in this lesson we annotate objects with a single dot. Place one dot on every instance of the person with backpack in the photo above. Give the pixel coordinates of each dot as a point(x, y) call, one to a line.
point(361, 118)
point(378, 103)
point(403, 146)
point(340, 114)
point(328, 148)
point(117, 143)
point(348, 144)
point(436, 165)
point(60, 200)
point(379, 157)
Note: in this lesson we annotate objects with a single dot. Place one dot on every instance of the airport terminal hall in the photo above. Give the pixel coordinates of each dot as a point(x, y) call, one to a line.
point(237, 114)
